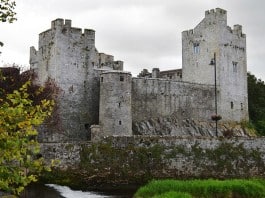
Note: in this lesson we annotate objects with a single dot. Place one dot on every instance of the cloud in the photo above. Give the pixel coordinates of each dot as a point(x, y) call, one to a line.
point(142, 33)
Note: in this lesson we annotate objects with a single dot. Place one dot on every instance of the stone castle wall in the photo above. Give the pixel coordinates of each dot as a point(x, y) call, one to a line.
point(159, 106)
point(136, 159)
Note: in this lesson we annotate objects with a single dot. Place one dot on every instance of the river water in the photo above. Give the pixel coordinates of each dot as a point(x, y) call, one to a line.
point(57, 191)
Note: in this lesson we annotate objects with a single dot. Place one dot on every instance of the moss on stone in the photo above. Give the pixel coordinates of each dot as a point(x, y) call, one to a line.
point(118, 162)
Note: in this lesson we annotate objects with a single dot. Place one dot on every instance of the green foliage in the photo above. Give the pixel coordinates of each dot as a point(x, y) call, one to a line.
point(7, 13)
point(173, 194)
point(20, 161)
point(256, 102)
point(204, 188)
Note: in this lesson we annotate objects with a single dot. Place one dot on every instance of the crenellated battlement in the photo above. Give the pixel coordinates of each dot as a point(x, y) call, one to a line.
point(187, 32)
point(61, 23)
point(217, 11)
point(238, 30)
point(65, 26)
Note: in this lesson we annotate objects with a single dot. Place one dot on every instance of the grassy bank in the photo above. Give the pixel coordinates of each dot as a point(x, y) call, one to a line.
point(239, 188)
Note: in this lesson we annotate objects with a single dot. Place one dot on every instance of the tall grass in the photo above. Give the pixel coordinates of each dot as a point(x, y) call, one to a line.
point(239, 188)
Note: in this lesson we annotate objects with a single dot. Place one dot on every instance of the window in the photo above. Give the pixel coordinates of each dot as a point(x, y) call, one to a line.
point(241, 104)
point(119, 122)
point(234, 66)
point(196, 48)
point(121, 78)
point(101, 79)
point(232, 105)
point(87, 126)
point(119, 104)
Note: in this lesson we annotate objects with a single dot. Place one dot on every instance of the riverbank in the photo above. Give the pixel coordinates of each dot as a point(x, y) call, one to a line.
point(240, 188)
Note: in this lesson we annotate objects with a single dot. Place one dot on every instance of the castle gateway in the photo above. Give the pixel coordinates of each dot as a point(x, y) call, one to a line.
point(96, 97)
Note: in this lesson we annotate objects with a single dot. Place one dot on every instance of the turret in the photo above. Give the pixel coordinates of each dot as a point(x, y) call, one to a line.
point(115, 117)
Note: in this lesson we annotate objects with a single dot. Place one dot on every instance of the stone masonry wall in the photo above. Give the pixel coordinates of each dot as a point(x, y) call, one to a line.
point(136, 159)
point(160, 106)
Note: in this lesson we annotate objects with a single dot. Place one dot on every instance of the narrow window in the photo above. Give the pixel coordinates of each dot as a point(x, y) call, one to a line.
point(119, 122)
point(101, 79)
point(241, 106)
point(121, 78)
point(196, 48)
point(119, 104)
point(87, 126)
point(232, 105)
point(234, 66)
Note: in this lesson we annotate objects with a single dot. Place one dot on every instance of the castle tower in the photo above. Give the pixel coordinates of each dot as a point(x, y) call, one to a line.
point(67, 56)
point(212, 35)
point(115, 116)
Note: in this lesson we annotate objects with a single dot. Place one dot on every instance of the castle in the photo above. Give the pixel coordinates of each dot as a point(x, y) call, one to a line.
point(97, 98)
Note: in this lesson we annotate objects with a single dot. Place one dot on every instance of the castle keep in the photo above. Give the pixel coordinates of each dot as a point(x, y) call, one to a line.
point(97, 98)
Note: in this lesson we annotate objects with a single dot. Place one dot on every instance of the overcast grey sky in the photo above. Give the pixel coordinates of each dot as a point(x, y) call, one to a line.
point(142, 33)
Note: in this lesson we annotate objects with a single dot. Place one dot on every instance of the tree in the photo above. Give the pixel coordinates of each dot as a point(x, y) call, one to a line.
point(256, 103)
point(7, 13)
point(20, 161)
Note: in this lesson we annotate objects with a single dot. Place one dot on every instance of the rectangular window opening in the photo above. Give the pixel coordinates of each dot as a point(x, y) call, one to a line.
point(234, 66)
point(119, 122)
point(101, 79)
point(241, 104)
point(232, 105)
point(196, 48)
point(121, 78)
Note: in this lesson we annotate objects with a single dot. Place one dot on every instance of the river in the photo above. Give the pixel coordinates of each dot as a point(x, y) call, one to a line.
point(57, 191)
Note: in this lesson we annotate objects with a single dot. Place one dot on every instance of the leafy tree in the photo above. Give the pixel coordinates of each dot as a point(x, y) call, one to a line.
point(7, 13)
point(20, 161)
point(256, 102)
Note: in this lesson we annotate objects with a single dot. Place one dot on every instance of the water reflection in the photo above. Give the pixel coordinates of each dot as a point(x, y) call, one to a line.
point(57, 191)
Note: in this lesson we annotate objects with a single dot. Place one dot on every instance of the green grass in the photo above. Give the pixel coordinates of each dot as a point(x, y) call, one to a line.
point(239, 188)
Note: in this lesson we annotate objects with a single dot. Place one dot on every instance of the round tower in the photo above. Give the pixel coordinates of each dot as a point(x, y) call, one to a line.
point(115, 115)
